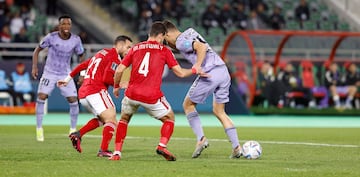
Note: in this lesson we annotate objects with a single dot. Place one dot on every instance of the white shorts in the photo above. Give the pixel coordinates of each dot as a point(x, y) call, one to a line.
point(157, 110)
point(97, 102)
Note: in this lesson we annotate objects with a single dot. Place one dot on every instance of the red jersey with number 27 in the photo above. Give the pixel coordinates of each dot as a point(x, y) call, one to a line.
point(148, 60)
point(100, 70)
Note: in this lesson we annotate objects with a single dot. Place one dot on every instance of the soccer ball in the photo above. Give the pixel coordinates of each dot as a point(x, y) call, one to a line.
point(252, 149)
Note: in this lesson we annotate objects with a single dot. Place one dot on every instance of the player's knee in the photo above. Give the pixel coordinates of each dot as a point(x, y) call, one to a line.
point(125, 118)
point(110, 120)
point(218, 112)
point(42, 96)
point(72, 99)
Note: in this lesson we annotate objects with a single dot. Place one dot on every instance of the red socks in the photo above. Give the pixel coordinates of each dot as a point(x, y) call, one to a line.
point(91, 125)
point(120, 135)
point(108, 133)
point(166, 131)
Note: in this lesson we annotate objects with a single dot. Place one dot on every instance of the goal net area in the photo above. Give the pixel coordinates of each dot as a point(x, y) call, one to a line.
point(310, 53)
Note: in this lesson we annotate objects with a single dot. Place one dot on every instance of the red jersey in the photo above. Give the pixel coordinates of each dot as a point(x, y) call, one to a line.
point(148, 60)
point(100, 70)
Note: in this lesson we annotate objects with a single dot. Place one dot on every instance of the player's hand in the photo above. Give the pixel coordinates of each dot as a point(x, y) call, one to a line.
point(124, 84)
point(198, 70)
point(116, 92)
point(34, 72)
point(61, 83)
point(203, 74)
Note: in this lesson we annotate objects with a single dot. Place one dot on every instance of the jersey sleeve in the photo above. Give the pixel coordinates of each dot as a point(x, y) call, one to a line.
point(79, 68)
point(79, 49)
point(45, 42)
point(170, 59)
point(128, 58)
point(110, 68)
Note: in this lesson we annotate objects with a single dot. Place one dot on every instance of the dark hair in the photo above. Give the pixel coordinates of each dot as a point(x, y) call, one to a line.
point(157, 28)
point(64, 16)
point(169, 25)
point(122, 38)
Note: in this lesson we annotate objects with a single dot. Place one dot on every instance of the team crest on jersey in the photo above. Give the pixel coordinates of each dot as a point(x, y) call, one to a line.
point(114, 66)
point(187, 44)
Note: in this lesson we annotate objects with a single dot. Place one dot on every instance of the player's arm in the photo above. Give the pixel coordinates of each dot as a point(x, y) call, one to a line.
point(200, 49)
point(182, 72)
point(125, 78)
point(35, 59)
point(81, 57)
point(80, 67)
point(117, 78)
point(329, 78)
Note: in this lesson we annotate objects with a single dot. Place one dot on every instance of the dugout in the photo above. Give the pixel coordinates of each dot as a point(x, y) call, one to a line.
point(245, 51)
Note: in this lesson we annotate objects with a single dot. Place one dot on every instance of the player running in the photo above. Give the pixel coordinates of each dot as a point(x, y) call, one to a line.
point(62, 45)
point(93, 92)
point(148, 60)
point(198, 52)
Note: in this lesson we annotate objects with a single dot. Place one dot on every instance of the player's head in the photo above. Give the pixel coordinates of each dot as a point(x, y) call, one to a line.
point(352, 68)
point(64, 24)
point(20, 68)
point(172, 33)
point(123, 44)
point(157, 32)
point(333, 67)
point(169, 25)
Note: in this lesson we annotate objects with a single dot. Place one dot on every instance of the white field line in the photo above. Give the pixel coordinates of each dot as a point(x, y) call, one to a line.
point(262, 142)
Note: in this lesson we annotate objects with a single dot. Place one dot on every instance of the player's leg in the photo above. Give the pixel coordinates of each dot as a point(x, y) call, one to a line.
point(128, 108)
point(199, 91)
point(46, 86)
point(335, 96)
point(109, 118)
point(70, 93)
point(161, 110)
point(195, 123)
point(230, 130)
point(74, 112)
point(351, 92)
point(92, 124)
point(221, 96)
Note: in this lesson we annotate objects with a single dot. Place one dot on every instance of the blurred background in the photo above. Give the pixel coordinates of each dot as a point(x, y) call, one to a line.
point(285, 56)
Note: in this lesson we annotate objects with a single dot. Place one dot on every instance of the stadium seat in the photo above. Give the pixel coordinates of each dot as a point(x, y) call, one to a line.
point(327, 26)
point(309, 25)
point(344, 27)
point(292, 25)
point(7, 97)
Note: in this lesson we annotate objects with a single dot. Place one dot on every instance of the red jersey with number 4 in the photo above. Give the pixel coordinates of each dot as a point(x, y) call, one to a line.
point(100, 70)
point(148, 60)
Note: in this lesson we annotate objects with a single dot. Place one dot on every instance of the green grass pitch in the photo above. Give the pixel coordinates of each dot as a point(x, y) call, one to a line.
point(287, 152)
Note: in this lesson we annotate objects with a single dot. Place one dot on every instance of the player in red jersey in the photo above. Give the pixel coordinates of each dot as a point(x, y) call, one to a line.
point(148, 60)
point(93, 94)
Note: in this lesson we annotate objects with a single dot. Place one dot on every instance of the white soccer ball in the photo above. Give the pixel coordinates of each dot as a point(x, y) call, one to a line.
point(252, 149)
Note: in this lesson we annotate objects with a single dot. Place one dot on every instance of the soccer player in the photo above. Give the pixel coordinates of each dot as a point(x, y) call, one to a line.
point(61, 44)
point(197, 51)
point(93, 94)
point(148, 59)
point(352, 81)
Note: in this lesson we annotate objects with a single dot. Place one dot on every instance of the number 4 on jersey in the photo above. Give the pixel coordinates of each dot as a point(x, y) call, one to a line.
point(144, 66)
